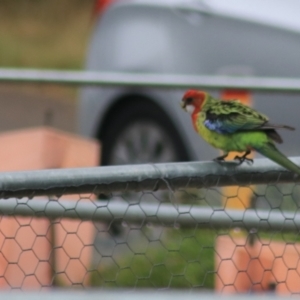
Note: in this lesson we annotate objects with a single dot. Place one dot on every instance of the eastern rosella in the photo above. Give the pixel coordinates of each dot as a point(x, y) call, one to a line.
point(233, 126)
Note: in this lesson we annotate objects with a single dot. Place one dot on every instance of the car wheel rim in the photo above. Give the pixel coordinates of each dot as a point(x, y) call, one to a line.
point(142, 142)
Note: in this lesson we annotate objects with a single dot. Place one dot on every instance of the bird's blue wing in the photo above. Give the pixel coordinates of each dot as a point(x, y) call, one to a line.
point(232, 116)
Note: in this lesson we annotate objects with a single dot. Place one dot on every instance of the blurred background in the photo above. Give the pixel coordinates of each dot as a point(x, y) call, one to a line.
point(170, 37)
point(43, 35)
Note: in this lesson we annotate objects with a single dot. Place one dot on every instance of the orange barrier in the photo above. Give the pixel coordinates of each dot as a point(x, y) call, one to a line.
point(235, 196)
point(267, 265)
point(26, 257)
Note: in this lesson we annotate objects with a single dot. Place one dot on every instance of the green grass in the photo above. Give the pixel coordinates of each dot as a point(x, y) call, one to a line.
point(180, 259)
point(45, 34)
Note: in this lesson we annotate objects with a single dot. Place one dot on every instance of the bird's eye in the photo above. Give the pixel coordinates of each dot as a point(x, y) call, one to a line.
point(189, 100)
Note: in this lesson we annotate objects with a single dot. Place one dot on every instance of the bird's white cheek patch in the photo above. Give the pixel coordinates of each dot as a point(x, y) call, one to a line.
point(190, 109)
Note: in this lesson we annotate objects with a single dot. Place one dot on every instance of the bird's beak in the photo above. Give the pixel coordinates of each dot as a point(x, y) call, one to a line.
point(183, 104)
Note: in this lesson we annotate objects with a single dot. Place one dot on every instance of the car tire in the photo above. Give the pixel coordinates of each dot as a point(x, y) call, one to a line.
point(141, 132)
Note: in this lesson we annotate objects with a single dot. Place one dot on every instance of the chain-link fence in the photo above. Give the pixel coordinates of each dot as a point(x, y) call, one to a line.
point(157, 226)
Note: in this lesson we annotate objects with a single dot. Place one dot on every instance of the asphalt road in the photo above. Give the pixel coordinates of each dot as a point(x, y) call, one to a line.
point(23, 107)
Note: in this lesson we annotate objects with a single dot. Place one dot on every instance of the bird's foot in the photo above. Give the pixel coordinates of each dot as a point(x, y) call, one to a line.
point(243, 158)
point(220, 159)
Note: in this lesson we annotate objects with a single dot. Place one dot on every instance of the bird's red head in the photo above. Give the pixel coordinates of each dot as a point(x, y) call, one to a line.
point(192, 100)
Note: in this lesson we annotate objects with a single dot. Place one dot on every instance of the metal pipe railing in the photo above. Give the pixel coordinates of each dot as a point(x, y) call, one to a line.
point(267, 84)
point(150, 177)
point(131, 294)
point(155, 213)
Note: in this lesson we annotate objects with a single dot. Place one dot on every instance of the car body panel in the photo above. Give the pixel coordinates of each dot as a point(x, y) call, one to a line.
point(193, 37)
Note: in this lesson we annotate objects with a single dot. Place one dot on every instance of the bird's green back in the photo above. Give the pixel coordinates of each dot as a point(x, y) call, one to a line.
point(232, 115)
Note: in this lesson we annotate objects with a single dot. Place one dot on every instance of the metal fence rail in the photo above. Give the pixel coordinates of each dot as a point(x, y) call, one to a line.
point(126, 295)
point(266, 84)
point(133, 178)
point(166, 214)
point(150, 177)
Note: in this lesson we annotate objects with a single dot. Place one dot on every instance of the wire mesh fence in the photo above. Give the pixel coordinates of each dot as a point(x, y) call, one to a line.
point(157, 226)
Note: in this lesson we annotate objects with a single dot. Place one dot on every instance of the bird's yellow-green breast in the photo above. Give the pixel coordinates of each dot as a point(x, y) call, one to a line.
point(239, 141)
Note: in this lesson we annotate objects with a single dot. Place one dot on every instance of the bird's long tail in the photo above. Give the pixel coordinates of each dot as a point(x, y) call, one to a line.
point(270, 151)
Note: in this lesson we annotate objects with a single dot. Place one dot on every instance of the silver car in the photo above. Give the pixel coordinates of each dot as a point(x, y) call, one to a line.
point(192, 37)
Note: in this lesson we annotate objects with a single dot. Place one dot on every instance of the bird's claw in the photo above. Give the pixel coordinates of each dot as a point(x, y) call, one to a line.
point(219, 159)
point(241, 159)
